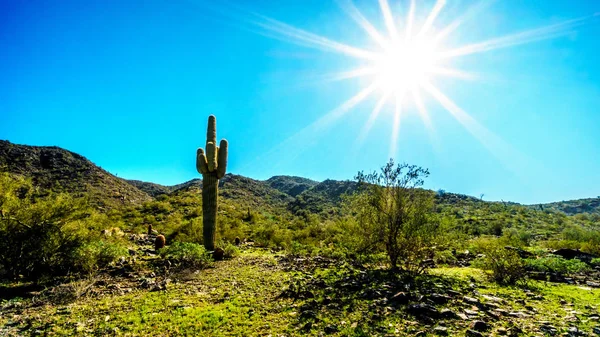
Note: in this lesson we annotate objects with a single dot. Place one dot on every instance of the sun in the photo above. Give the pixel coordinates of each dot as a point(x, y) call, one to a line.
point(404, 65)
point(411, 55)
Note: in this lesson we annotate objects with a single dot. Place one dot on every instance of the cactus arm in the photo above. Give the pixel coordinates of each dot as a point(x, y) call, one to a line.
point(201, 163)
point(222, 159)
point(211, 156)
point(211, 132)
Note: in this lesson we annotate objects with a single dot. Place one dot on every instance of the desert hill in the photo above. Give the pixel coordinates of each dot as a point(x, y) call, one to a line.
point(60, 170)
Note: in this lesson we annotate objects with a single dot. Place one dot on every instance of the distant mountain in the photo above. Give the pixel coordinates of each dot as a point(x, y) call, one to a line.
point(291, 185)
point(572, 207)
point(323, 197)
point(151, 189)
point(235, 187)
point(56, 169)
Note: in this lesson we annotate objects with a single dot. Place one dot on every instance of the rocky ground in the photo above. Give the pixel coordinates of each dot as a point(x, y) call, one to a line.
point(267, 293)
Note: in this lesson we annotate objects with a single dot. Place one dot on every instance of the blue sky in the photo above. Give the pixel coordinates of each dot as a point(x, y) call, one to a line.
point(130, 84)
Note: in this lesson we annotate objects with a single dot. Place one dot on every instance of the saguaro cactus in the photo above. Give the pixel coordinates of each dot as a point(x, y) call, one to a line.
point(212, 166)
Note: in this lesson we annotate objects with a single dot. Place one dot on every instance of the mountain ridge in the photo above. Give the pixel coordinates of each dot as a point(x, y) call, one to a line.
point(59, 169)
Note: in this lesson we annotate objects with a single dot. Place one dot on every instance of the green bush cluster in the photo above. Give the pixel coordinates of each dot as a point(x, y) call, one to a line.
point(97, 254)
point(505, 265)
point(230, 251)
point(51, 234)
point(187, 254)
point(556, 264)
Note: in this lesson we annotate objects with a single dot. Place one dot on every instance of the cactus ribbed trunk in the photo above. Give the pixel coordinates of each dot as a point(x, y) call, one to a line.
point(212, 164)
point(210, 189)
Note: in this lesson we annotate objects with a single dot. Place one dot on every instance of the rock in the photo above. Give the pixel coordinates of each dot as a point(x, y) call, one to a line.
point(429, 263)
point(515, 331)
point(491, 305)
point(439, 299)
point(521, 252)
point(308, 314)
point(423, 310)
point(593, 284)
point(596, 330)
point(474, 333)
point(400, 298)
point(471, 312)
point(492, 298)
point(480, 326)
point(447, 313)
point(470, 300)
point(501, 331)
point(453, 293)
point(440, 330)
point(549, 329)
point(307, 327)
point(147, 282)
point(501, 311)
point(574, 254)
point(218, 254)
point(573, 331)
point(330, 329)
point(518, 314)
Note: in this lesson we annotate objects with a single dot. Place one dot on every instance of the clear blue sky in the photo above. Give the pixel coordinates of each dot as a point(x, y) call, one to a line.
point(129, 85)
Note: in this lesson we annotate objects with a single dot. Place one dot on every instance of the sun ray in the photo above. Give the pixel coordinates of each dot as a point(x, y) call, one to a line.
point(509, 157)
point(343, 108)
point(410, 20)
point(424, 114)
point(389, 19)
point(422, 110)
point(532, 35)
point(488, 139)
point(431, 17)
point(298, 35)
point(459, 114)
point(477, 8)
point(298, 140)
point(373, 117)
point(354, 73)
point(349, 7)
point(451, 72)
point(396, 126)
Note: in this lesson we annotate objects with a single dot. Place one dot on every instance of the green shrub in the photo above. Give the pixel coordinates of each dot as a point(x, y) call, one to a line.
point(330, 251)
point(41, 234)
point(596, 261)
point(444, 257)
point(516, 238)
point(556, 264)
point(187, 254)
point(505, 265)
point(97, 254)
point(230, 251)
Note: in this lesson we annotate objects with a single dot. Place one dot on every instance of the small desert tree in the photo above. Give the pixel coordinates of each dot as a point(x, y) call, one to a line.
point(47, 235)
point(394, 214)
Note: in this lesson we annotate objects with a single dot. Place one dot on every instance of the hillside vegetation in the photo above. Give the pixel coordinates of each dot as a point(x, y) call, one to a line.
point(301, 257)
point(58, 170)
